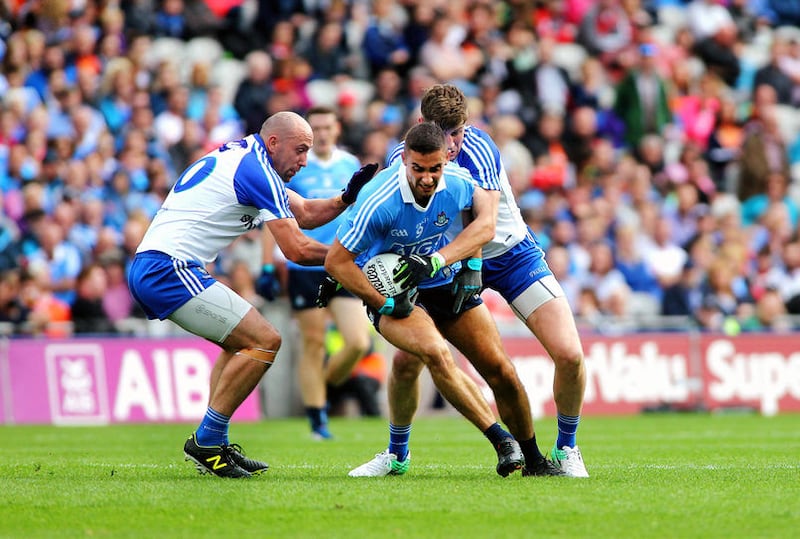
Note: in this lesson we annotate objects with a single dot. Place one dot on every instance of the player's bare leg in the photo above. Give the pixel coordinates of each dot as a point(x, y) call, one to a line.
point(553, 324)
point(353, 325)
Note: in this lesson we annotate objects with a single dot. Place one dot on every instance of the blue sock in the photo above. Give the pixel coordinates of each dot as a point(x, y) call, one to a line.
point(567, 427)
point(398, 440)
point(317, 417)
point(496, 434)
point(213, 430)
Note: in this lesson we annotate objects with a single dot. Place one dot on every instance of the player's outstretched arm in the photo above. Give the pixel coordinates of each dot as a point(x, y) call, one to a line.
point(311, 213)
point(295, 245)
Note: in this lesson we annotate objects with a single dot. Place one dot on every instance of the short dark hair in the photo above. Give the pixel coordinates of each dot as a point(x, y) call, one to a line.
point(426, 138)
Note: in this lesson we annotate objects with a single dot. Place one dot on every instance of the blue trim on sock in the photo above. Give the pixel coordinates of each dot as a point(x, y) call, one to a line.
point(213, 430)
point(398, 440)
point(567, 429)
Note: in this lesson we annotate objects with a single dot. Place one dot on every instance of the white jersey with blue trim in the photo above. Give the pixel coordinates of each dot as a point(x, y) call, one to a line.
point(386, 217)
point(219, 197)
point(323, 179)
point(481, 157)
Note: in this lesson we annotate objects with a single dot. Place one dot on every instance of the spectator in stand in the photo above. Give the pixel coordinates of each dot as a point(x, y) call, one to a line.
point(326, 52)
point(642, 100)
point(790, 64)
point(88, 314)
point(774, 75)
point(506, 131)
point(628, 260)
point(609, 285)
point(724, 145)
point(384, 43)
point(789, 281)
point(12, 310)
point(549, 20)
point(715, 35)
point(720, 301)
point(61, 259)
point(777, 192)
point(49, 316)
point(444, 56)
point(254, 91)
point(552, 169)
point(605, 31)
point(550, 84)
point(664, 257)
point(763, 153)
point(118, 304)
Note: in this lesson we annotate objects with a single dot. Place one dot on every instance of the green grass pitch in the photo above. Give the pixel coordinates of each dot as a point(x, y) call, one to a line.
point(652, 476)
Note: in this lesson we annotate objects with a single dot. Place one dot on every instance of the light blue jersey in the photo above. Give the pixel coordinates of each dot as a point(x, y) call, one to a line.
point(386, 218)
point(323, 179)
point(481, 157)
point(513, 259)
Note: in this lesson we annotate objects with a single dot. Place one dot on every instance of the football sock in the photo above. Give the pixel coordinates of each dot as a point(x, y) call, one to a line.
point(531, 450)
point(213, 430)
point(317, 417)
point(496, 434)
point(567, 427)
point(398, 440)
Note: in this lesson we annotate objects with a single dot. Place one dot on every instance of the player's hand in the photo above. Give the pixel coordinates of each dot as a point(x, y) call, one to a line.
point(466, 283)
point(327, 288)
point(357, 181)
point(267, 285)
point(399, 306)
point(413, 269)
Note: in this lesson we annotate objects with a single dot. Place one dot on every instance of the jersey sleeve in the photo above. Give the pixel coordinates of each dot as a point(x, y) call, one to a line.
point(257, 184)
point(480, 155)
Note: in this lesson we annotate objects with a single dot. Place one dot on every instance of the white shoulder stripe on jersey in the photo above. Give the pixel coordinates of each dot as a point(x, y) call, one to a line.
point(480, 153)
point(275, 183)
point(370, 206)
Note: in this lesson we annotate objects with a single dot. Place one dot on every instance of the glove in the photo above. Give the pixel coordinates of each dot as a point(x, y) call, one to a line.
point(267, 285)
point(399, 306)
point(327, 288)
point(357, 181)
point(413, 269)
point(467, 283)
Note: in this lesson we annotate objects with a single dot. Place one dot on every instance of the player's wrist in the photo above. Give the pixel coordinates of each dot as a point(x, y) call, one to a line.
point(438, 261)
point(268, 268)
point(388, 307)
point(475, 264)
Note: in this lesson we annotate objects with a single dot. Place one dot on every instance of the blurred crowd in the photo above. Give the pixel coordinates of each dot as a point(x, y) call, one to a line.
point(653, 145)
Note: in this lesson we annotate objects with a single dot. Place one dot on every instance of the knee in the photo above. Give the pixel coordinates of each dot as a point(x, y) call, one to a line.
point(501, 375)
point(438, 359)
point(358, 346)
point(405, 367)
point(270, 340)
point(569, 359)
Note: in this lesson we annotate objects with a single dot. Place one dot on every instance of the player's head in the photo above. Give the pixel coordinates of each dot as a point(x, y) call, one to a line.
point(287, 137)
point(425, 156)
point(446, 106)
point(326, 127)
